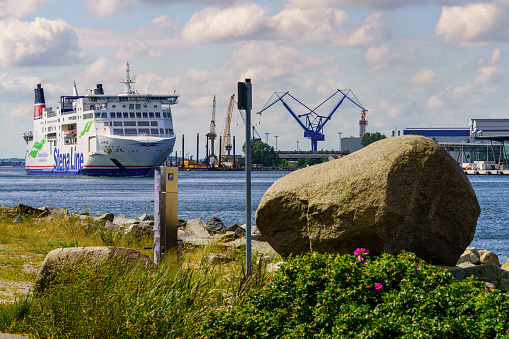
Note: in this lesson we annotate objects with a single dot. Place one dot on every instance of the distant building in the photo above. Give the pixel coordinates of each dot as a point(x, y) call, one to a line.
point(351, 144)
point(441, 134)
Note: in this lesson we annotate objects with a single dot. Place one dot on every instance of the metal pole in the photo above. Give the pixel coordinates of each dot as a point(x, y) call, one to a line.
point(234, 165)
point(197, 148)
point(266, 138)
point(339, 133)
point(248, 178)
point(220, 149)
point(276, 136)
point(183, 150)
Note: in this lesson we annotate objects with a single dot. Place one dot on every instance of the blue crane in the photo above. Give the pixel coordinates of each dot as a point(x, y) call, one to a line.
point(312, 122)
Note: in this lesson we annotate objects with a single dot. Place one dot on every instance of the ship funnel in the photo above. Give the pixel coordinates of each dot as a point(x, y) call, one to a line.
point(39, 103)
point(99, 89)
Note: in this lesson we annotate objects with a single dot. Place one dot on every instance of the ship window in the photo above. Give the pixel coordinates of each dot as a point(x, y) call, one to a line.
point(114, 106)
point(130, 131)
point(144, 106)
point(155, 106)
point(104, 115)
point(112, 115)
point(158, 115)
point(119, 115)
point(145, 114)
point(106, 124)
point(131, 115)
point(97, 114)
point(111, 123)
point(118, 131)
point(143, 131)
point(126, 115)
point(131, 106)
point(138, 106)
point(167, 131)
point(161, 131)
point(154, 131)
point(164, 115)
point(138, 114)
point(88, 115)
point(143, 123)
point(117, 123)
point(153, 123)
point(151, 115)
point(129, 123)
point(123, 106)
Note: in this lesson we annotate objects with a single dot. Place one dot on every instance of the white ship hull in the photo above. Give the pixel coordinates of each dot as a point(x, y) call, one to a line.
point(126, 134)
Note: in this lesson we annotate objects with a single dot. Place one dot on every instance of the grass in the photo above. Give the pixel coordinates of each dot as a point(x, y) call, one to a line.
point(108, 299)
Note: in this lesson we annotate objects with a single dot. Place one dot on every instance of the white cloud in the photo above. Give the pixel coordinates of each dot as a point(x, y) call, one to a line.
point(130, 50)
point(212, 24)
point(108, 7)
point(40, 42)
point(161, 21)
point(13, 8)
point(473, 24)
point(312, 25)
point(374, 4)
point(487, 74)
point(377, 55)
point(424, 77)
point(434, 102)
point(495, 55)
point(461, 91)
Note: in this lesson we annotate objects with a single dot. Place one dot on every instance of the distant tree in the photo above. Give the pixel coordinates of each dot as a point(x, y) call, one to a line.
point(434, 139)
point(261, 153)
point(413, 133)
point(370, 138)
point(301, 162)
point(310, 161)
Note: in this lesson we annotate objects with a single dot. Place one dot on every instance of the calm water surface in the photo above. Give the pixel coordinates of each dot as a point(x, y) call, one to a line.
point(206, 194)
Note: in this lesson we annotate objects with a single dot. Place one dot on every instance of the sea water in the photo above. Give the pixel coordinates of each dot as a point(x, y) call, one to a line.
point(203, 194)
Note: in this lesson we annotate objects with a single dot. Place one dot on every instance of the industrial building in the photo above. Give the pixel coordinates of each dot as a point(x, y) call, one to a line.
point(481, 146)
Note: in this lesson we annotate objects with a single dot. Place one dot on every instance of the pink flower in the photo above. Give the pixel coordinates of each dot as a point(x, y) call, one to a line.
point(378, 286)
point(417, 267)
point(360, 258)
point(360, 251)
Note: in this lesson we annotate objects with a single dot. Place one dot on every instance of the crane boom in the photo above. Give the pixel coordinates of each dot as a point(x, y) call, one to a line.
point(227, 140)
point(212, 134)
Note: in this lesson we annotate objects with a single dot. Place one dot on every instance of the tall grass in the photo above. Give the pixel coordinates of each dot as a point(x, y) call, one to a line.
point(109, 300)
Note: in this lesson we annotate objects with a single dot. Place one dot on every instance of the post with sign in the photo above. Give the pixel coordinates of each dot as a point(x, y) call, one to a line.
point(165, 211)
point(245, 102)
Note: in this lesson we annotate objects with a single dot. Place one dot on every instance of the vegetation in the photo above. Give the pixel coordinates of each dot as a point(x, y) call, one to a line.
point(370, 138)
point(335, 296)
point(311, 296)
point(303, 162)
point(261, 153)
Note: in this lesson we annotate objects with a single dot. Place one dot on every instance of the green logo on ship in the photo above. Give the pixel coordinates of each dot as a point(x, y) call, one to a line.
point(86, 129)
point(36, 148)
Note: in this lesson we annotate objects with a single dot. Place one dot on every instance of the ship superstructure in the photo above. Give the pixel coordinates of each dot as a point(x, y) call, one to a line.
point(124, 134)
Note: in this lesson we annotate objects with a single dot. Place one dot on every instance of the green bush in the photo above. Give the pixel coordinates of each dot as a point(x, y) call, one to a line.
point(345, 296)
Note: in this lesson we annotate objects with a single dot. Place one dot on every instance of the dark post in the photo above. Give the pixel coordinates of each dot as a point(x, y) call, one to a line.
point(234, 166)
point(220, 146)
point(197, 148)
point(207, 150)
point(183, 163)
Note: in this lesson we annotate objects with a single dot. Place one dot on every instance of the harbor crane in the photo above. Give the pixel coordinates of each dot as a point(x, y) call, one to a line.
point(312, 122)
point(212, 134)
point(254, 134)
point(226, 147)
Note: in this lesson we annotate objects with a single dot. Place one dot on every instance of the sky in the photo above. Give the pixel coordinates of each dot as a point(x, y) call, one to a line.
point(410, 63)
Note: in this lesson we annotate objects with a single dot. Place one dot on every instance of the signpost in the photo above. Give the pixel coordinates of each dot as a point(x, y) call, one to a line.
point(245, 103)
point(165, 211)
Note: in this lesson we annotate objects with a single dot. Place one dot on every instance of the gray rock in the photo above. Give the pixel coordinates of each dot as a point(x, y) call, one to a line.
point(469, 256)
point(232, 228)
point(257, 237)
point(108, 224)
point(55, 210)
point(105, 217)
point(465, 264)
point(488, 273)
point(228, 236)
point(473, 250)
point(215, 258)
point(402, 193)
point(61, 257)
point(489, 257)
point(240, 232)
point(504, 285)
point(214, 225)
point(146, 217)
point(195, 227)
point(121, 220)
point(257, 247)
point(193, 239)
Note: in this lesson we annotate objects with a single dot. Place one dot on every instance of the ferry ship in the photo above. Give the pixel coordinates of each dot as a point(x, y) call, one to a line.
point(96, 134)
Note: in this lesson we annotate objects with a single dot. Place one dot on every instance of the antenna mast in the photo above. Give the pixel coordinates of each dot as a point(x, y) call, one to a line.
point(128, 81)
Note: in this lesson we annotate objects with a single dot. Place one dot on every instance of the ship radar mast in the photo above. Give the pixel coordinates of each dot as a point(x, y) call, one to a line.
point(128, 81)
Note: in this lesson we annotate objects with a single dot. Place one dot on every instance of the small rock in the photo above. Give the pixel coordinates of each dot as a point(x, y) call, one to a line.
point(489, 257)
point(109, 224)
point(486, 273)
point(466, 264)
point(229, 236)
point(240, 232)
point(145, 217)
point(123, 221)
point(214, 225)
point(505, 266)
point(232, 228)
point(55, 210)
point(257, 237)
point(473, 250)
point(504, 285)
point(195, 227)
point(215, 258)
point(469, 256)
point(105, 217)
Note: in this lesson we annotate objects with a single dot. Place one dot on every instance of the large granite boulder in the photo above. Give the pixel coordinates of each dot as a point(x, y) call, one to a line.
point(402, 193)
point(61, 257)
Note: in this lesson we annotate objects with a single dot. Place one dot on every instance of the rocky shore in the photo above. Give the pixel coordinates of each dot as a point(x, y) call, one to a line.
point(483, 264)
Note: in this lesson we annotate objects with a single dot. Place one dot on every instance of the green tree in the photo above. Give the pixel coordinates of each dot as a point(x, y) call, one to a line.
point(370, 138)
point(301, 162)
point(261, 153)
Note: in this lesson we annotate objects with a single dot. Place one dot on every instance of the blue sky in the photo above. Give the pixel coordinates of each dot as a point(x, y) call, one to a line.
point(411, 63)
